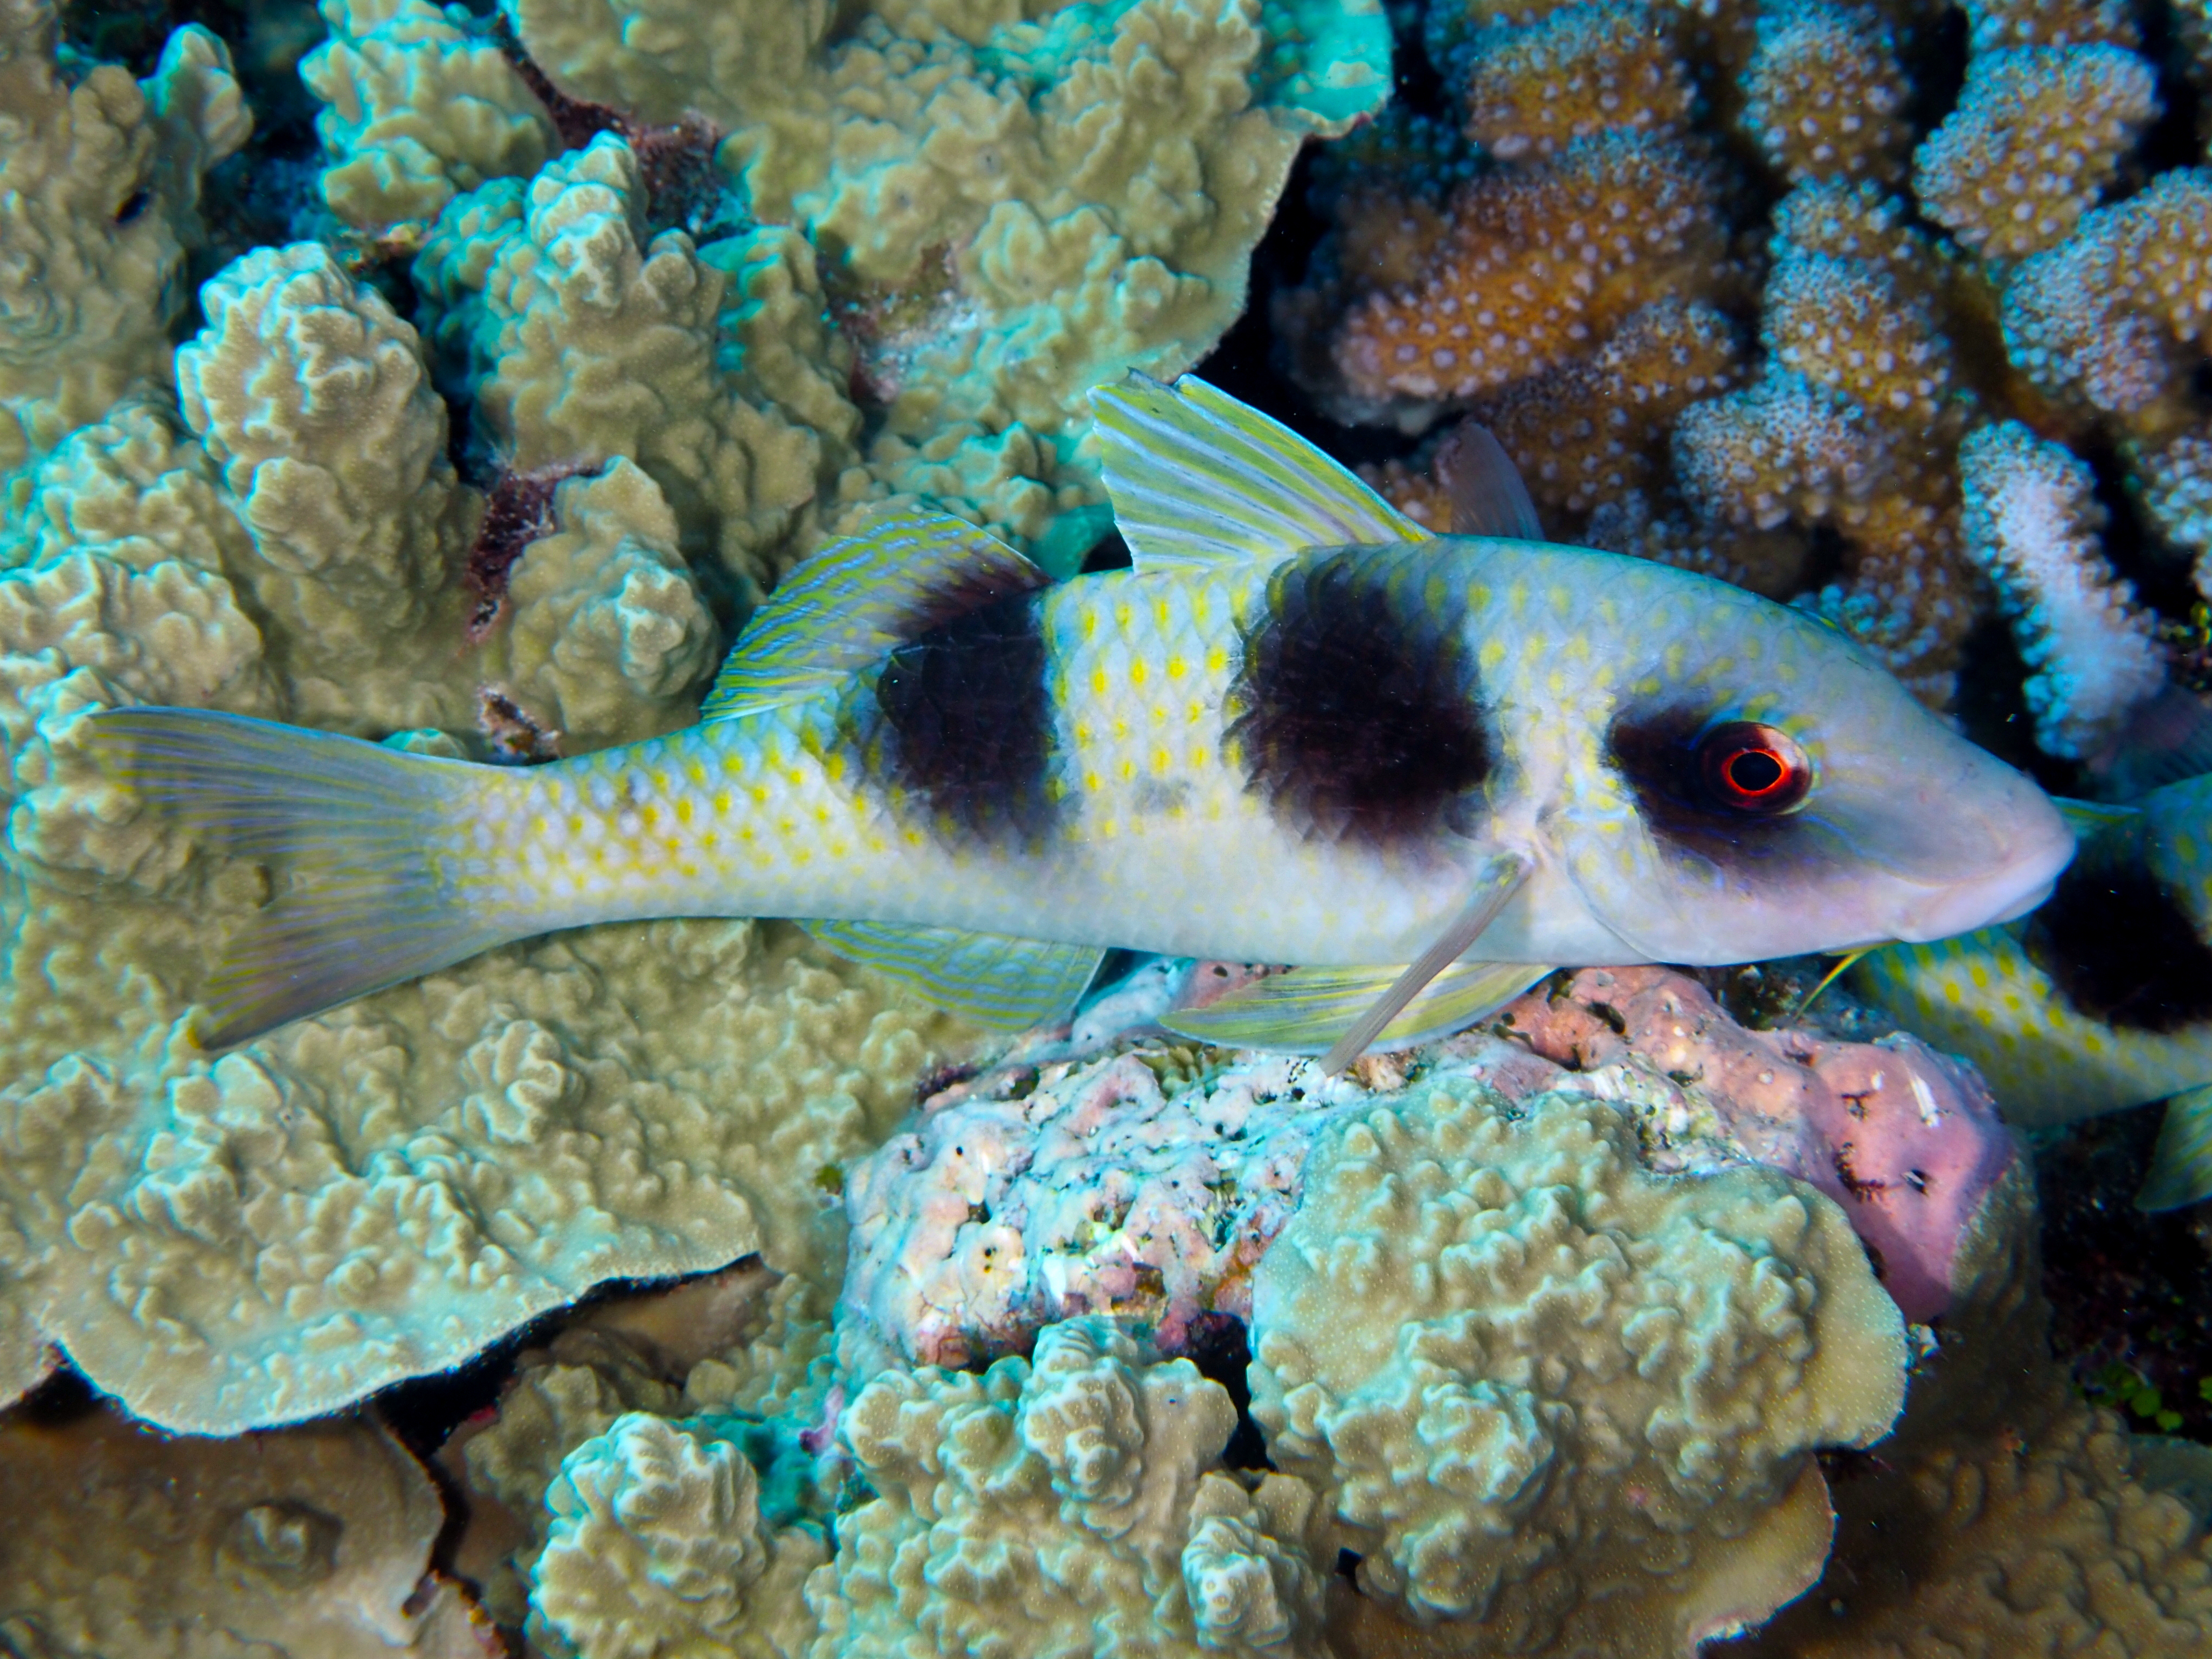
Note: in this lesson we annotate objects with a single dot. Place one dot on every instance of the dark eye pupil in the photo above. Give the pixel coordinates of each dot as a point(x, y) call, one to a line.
point(1754, 771)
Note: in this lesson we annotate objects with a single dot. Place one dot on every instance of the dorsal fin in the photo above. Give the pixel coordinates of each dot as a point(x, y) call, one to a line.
point(1487, 496)
point(1198, 478)
point(853, 601)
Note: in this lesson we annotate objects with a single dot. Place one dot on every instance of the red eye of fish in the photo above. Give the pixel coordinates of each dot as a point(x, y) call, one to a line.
point(1752, 768)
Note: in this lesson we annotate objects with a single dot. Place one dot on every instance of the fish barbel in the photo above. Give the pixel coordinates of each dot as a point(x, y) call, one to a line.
point(1301, 729)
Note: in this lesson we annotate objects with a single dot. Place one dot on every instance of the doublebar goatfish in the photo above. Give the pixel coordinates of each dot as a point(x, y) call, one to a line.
point(1303, 729)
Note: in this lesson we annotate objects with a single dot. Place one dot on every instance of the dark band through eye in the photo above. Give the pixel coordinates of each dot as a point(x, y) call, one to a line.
point(1751, 768)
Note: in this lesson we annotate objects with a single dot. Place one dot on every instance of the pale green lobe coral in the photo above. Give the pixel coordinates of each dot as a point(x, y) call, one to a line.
point(584, 340)
point(312, 396)
point(112, 589)
point(380, 1192)
point(1024, 207)
point(1552, 1398)
point(660, 59)
point(657, 1547)
point(99, 189)
point(419, 105)
point(235, 1242)
point(1068, 1505)
point(607, 631)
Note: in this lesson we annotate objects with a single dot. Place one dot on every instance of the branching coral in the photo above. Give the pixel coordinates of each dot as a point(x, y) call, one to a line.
point(1534, 266)
point(1825, 94)
point(2038, 131)
point(2030, 523)
point(1827, 469)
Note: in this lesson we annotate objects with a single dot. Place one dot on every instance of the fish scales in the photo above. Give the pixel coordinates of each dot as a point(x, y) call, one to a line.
point(1301, 730)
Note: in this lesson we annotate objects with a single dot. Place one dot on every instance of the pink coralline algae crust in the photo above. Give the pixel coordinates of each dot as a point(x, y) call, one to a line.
point(1098, 1191)
point(1143, 1185)
point(1907, 1140)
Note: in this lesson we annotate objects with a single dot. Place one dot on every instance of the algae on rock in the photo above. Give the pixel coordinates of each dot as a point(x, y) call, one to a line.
point(313, 1542)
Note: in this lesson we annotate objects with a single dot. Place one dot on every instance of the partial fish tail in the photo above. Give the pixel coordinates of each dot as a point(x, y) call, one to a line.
point(367, 844)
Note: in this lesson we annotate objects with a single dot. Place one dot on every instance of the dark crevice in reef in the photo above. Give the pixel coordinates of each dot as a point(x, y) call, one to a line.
point(1221, 1351)
point(2129, 1314)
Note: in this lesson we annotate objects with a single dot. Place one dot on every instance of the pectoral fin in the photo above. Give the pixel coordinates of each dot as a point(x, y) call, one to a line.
point(2181, 1168)
point(1306, 1008)
point(1002, 983)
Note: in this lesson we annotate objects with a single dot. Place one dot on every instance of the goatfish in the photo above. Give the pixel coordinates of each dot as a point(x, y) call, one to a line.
point(2101, 999)
point(1301, 729)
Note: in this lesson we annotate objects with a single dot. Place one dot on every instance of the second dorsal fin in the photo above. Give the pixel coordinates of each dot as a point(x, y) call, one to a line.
point(1197, 477)
point(853, 601)
point(1487, 496)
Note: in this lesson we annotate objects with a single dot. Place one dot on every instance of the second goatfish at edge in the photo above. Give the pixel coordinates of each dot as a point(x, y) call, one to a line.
point(1301, 729)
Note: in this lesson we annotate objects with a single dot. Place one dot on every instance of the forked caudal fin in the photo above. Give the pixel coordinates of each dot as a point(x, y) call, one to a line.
point(358, 836)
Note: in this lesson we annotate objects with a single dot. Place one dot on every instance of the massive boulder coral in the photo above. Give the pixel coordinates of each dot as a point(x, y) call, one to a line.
point(1074, 1503)
point(101, 179)
point(1520, 1367)
point(418, 108)
point(1017, 208)
point(1147, 1183)
point(2006, 1514)
point(657, 1546)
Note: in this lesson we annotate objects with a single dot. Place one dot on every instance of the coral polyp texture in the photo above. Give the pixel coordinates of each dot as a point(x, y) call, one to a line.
point(1941, 256)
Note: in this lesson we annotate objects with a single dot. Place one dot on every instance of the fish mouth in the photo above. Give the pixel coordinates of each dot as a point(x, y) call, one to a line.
point(2004, 895)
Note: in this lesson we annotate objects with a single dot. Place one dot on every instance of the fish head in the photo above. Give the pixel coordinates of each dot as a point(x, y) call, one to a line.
point(1745, 781)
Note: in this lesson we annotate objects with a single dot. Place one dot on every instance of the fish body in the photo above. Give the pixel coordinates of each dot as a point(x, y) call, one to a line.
point(2101, 1000)
point(1300, 730)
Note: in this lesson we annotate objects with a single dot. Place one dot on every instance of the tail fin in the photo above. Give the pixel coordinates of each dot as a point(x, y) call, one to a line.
point(358, 836)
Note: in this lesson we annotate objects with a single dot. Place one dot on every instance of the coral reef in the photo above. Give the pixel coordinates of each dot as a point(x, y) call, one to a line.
point(1518, 1366)
point(479, 432)
point(382, 1192)
point(1061, 1505)
point(1905, 1139)
point(2006, 1514)
point(1146, 1185)
point(102, 176)
point(1585, 266)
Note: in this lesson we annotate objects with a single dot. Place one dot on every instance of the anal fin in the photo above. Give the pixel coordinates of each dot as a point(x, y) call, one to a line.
point(1002, 983)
